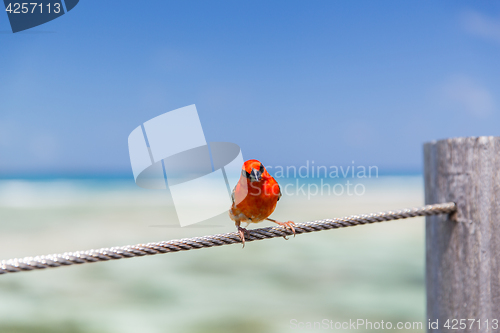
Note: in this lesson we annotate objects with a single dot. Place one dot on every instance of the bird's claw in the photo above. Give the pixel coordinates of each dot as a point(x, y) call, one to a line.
point(287, 225)
point(242, 232)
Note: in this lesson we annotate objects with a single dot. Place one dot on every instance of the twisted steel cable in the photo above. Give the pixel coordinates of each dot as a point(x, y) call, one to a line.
point(139, 250)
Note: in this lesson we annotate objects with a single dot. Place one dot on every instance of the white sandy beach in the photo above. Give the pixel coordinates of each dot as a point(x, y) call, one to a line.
point(373, 272)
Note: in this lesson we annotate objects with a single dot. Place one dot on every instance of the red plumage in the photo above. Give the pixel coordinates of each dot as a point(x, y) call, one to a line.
point(255, 196)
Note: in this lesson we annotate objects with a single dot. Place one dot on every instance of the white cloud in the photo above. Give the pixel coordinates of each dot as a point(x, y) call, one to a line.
point(481, 25)
point(462, 93)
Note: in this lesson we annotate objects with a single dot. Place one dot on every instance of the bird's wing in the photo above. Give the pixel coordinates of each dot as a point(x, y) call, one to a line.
point(232, 195)
point(280, 194)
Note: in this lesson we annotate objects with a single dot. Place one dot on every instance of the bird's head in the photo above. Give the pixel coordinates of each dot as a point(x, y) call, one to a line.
point(254, 171)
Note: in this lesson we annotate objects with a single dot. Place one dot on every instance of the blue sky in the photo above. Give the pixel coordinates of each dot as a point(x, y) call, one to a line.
point(289, 81)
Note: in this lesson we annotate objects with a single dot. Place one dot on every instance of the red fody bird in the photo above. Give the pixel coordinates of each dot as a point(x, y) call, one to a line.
point(255, 198)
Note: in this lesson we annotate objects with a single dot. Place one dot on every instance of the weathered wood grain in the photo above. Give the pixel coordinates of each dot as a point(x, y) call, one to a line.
point(463, 251)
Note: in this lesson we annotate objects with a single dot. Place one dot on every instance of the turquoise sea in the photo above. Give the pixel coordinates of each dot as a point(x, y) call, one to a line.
point(371, 273)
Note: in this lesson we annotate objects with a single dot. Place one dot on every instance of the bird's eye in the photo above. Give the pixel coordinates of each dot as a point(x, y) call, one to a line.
point(245, 173)
point(261, 168)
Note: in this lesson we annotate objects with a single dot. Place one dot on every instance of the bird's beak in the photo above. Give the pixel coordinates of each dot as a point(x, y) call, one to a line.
point(255, 175)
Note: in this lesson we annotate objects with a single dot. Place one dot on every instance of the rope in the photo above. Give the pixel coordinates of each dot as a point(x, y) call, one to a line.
point(139, 250)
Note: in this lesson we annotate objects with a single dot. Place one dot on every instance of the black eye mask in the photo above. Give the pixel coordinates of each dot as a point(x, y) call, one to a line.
point(245, 173)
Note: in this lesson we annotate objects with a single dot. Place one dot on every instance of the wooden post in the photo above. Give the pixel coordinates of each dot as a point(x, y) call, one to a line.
point(463, 250)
